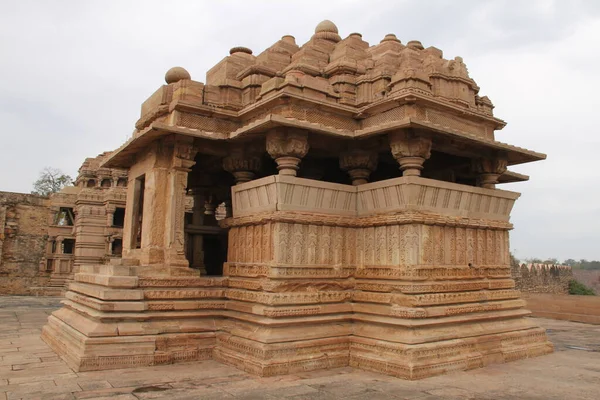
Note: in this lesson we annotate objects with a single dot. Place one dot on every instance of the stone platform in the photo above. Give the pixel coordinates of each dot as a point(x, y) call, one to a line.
point(411, 285)
point(30, 370)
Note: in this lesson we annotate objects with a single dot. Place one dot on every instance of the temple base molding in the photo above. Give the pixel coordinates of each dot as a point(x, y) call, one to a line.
point(413, 285)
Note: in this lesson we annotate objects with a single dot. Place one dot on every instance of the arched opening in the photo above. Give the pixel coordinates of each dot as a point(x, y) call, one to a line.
point(91, 183)
point(106, 183)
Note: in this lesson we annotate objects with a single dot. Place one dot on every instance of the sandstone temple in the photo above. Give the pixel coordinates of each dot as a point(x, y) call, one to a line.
point(312, 206)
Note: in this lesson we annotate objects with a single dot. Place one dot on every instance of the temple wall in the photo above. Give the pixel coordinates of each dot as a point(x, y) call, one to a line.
point(23, 233)
point(542, 278)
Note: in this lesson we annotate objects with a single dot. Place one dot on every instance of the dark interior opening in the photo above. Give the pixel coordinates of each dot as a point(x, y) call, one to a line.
point(118, 217)
point(138, 211)
point(122, 182)
point(215, 253)
point(106, 183)
point(68, 246)
point(117, 247)
point(91, 183)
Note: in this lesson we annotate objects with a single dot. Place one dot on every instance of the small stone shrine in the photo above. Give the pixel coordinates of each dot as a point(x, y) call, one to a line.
point(345, 213)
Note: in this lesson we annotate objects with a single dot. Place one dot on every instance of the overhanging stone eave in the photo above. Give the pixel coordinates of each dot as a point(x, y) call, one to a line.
point(511, 177)
point(123, 157)
point(516, 155)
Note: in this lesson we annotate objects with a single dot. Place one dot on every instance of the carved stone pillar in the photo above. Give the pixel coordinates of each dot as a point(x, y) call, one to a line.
point(210, 208)
point(410, 150)
point(488, 171)
point(359, 164)
point(110, 213)
point(242, 163)
point(182, 161)
point(287, 147)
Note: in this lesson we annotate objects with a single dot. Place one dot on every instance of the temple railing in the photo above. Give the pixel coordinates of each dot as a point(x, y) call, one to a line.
point(284, 193)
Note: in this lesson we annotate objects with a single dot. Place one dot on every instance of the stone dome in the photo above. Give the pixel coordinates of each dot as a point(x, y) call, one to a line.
point(176, 74)
point(326, 26)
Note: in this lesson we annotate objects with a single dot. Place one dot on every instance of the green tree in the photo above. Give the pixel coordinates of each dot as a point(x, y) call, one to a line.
point(51, 180)
point(578, 288)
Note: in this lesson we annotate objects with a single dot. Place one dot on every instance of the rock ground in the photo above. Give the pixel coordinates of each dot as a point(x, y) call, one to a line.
point(30, 370)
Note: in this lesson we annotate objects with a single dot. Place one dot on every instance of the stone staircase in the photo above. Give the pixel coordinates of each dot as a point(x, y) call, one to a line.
point(56, 287)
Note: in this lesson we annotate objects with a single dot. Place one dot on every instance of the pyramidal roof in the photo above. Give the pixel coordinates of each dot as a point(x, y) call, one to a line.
point(345, 71)
point(329, 85)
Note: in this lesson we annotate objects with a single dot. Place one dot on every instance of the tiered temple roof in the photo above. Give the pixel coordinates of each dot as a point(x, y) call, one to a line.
point(329, 86)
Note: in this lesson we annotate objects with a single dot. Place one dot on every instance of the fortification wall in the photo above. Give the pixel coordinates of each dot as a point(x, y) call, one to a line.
point(23, 233)
point(542, 278)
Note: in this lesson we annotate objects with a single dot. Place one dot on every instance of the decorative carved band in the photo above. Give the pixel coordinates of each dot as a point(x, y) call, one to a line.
point(407, 217)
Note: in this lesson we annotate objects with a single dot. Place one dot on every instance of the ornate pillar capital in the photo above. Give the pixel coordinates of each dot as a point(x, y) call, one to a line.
point(410, 150)
point(488, 171)
point(243, 162)
point(359, 164)
point(287, 147)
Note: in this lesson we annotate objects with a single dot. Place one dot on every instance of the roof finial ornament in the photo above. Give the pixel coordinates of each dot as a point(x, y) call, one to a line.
point(326, 26)
point(240, 49)
point(176, 74)
point(327, 30)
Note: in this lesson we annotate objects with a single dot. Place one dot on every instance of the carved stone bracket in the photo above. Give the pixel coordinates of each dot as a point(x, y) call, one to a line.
point(243, 163)
point(287, 149)
point(359, 164)
point(410, 150)
point(489, 170)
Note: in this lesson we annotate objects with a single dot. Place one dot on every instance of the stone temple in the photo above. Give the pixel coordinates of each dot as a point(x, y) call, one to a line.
point(345, 212)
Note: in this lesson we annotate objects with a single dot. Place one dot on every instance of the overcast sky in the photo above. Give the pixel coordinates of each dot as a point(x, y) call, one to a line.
point(74, 74)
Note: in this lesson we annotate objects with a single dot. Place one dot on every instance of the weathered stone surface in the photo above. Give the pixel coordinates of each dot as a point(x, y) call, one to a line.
point(570, 373)
point(23, 233)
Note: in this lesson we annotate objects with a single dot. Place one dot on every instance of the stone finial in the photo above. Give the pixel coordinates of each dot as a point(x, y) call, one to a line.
point(326, 26)
point(240, 49)
point(289, 39)
point(390, 37)
point(410, 150)
point(176, 74)
point(415, 44)
point(328, 31)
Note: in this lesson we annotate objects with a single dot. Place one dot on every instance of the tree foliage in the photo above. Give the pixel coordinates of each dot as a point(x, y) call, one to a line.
point(578, 288)
point(51, 180)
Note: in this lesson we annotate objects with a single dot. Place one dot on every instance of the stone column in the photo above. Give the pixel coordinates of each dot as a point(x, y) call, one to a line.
point(410, 150)
point(243, 163)
point(287, 147)
point(110, 213)
point(488, 171)
point(181, 162)
point(359, 164)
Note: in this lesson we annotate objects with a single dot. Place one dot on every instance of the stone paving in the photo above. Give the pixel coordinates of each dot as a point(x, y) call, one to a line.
point(30, 370)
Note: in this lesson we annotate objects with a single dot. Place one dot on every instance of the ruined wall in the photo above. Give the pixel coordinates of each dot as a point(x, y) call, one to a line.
point(23, 233)
point(542, 278)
